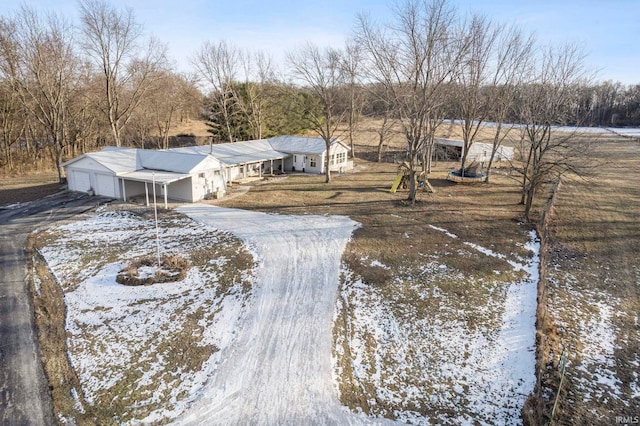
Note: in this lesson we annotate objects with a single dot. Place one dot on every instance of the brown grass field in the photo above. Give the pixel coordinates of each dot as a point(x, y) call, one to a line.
point(593, 280)
point(594, 237)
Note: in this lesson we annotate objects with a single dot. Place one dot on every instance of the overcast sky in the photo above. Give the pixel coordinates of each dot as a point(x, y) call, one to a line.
point(608, 30)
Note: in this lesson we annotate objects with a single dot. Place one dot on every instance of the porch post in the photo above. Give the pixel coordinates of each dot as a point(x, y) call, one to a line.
point(272, 167)
point(146, 192)
point(165, 196)
point(124, 192)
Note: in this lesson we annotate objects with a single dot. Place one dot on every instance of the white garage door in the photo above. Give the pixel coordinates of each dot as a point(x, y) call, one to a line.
point(81, 181)
point(105, 185)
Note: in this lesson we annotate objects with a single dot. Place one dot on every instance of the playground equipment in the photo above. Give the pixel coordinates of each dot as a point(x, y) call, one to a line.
point(471, 174)
point(403, 176)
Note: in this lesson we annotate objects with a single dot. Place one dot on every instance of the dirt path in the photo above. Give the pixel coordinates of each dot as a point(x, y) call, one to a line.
point(280, 369)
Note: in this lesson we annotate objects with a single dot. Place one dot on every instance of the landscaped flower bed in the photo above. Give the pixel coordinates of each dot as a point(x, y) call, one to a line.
point(145, 271)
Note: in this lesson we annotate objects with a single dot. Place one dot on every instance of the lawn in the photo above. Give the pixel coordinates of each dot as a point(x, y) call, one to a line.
point(435, 306)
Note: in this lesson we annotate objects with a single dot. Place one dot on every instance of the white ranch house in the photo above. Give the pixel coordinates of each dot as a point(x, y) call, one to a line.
point(192, 173)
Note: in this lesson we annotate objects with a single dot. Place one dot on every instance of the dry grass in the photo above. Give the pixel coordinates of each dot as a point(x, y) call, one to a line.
point(595, 235)
point(400, 236)
point(172, 268)
point(20, 189)
point(193, 127)
point(49, 311)
point(593, 287)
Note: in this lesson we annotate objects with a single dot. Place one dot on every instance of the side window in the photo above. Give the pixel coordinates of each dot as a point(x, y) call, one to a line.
point(312, 162)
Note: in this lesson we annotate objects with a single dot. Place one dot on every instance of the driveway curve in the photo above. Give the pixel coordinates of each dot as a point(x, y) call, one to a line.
point(279, 371)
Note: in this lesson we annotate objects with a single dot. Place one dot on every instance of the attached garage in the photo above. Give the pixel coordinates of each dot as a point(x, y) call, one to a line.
point(79, 180)
point(125, 172)
point(106, 185)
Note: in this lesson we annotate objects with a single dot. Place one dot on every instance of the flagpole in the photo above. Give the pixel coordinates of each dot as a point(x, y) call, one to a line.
point(155, 211)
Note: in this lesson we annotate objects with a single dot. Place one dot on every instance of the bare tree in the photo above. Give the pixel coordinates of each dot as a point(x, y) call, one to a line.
point(380, 108)
point(351, 63)
point(474, 75)
point(45, 73)
point(175, 95)
point(513, 67)
point(321, 71)
point(219, 65)
point(549, 102)
point(112, 38)
point(252, 95)
point(12, 120)
point(413, 57)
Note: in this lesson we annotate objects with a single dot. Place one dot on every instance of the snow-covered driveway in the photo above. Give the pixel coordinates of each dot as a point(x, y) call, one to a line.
point(279, 371)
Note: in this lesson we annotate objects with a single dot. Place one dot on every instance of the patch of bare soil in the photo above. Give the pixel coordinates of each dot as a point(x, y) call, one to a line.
point(20, 189)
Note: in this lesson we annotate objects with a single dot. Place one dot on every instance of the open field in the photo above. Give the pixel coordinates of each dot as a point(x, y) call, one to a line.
point(434, 320)
point(594, 289)
point(19, 189)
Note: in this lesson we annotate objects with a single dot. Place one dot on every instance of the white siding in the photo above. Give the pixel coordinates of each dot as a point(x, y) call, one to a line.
point(315, 164)
point(182, 190)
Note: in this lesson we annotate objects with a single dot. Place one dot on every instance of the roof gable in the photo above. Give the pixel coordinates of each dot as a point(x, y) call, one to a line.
point(118, 160)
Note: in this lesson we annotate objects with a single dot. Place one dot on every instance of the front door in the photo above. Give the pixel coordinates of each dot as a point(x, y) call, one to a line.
point(299, 162)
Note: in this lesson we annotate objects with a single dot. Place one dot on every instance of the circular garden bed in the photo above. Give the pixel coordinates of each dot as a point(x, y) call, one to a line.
point(145, 271)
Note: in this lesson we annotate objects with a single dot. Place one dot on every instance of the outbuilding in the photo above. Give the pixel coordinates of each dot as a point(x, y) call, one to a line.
point(480, 152)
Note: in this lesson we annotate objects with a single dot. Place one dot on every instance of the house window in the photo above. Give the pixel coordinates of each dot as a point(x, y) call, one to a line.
point(312, 162)
point(333, 159)
point(201, 175)
point(341, 157)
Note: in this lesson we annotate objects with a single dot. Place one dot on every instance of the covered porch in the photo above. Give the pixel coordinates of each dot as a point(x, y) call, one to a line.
point(154, 183)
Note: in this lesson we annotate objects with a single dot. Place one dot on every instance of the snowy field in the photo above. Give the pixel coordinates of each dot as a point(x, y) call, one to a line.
point(121, 339)
point(270, 356)
point(631, 132)
point(454, 364)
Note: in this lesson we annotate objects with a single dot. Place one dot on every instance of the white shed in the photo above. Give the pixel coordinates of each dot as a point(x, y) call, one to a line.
point(479, 151)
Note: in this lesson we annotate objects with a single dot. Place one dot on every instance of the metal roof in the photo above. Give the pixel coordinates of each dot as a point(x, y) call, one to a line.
point(118, 160)
point(236, 153)
point(170, 161)
point(178, 161)
point(163, 178)
point(301, 144)
point(449, 142)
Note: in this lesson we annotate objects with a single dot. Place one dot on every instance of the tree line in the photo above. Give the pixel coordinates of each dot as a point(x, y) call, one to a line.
point(68, 88)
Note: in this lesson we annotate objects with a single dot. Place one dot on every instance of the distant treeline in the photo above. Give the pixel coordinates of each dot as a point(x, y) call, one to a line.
point(68, 88)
